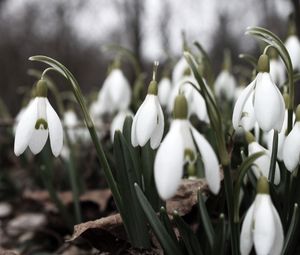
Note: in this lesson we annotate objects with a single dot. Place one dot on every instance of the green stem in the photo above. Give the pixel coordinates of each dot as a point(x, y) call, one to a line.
point(273, 157)
point(229, 198)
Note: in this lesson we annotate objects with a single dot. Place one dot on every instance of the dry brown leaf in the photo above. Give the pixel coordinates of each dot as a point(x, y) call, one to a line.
point(99, 197)
point(186, 196)
point(8, 252)
point(111, 224)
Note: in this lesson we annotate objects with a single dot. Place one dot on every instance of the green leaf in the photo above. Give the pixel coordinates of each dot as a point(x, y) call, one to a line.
point(291, 231)
point(208, 228)
point(188, 236)
point(133, 214)
point(167, 243)
point(219, 247)
point(167, 223)
point(242, 170)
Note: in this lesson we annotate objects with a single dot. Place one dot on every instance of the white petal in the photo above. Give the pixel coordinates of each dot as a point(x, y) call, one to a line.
point(264, 224)
point(293, 46)
point(269, 105)
point(225, 85)
point(164, 90)
point(38, 140)
point(147, 120)
point(248, 119)
point(134, 140)
point(179, 69)
point(118, 122)
point(185, 129)
point(277, 71)
point(197, 106)
point(246, 239)
point(168, 164)
point(159, 130)
point(210, 161)
point(279, 238)
point(240, 103)
point(262, 164)
point(291, 148)
point(55, 130)
point(119, 89)
point(25, 127)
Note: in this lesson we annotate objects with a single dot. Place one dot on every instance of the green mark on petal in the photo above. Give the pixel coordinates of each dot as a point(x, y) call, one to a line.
point(41, 124)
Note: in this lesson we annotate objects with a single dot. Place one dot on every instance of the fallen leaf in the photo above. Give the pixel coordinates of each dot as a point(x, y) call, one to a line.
point(186, 196)
point(99, 197)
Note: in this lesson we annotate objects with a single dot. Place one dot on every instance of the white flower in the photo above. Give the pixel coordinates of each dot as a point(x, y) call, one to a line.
point(37, 122)
point(170, 158)
point(225, 85)
point(197, 104)
point(164, 90)
point(148, 123)
point(261, 165)
point(277, 71)
point(115, 94)
point(291, 148)
point(71, 122)
point(179, 69)
point(268, 103)
point(292, 44)
point(268, 137)
point(262, 227)
point(118, 122)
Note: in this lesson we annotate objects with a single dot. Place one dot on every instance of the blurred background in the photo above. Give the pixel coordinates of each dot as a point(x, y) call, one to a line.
point(77, 34)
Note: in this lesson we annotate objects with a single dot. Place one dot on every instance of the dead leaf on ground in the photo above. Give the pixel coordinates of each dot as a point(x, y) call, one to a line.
point(186, 196)
point(100, 197)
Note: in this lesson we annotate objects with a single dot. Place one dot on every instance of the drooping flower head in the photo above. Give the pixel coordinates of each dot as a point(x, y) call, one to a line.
point(225, 83)
point(291, 146)
point(177, 148)
point(292, 45)
point(262, 226)
point(268, 103)
point(261, 166)
point(148, 122)
point(37, 122)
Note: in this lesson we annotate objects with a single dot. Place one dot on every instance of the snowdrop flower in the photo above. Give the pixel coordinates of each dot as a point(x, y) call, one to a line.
point(197, 104)
point(179, 147)
point(115, 94)
point(118, 122)
point(148, 122)
point(268, 137)
point(268, 103)
point(37, 122)
point(277, 71)
point(292, 45)
point(164, 90)
point(291, 146)
point(71, 122)
point(179, 69)
point(262, 226)
point(225, 85)
point(261, 165)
